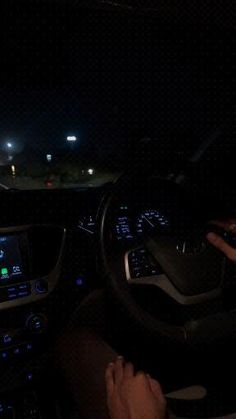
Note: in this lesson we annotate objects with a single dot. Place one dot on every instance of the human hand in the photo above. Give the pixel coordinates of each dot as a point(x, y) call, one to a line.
point(217, 241)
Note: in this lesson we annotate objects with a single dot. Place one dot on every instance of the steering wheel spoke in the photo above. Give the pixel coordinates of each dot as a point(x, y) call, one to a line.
point(142, 269)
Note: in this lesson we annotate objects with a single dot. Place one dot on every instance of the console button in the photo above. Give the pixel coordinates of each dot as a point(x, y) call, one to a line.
point(4, 355)
point(12, 296)
point(14, 292)
point(6, 411)
point(18, 291)
point(41, 286)
point(23, 294)
point(6, 339)
point(36, 323)
point(12, 289)
point(28, 347)
point(23, 287)
point(17, 351)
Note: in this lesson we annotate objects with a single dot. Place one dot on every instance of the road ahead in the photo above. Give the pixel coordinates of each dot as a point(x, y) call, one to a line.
point(37, 183)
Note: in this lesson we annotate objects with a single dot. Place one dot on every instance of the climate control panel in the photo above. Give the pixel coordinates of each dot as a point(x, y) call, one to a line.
point(22, 342)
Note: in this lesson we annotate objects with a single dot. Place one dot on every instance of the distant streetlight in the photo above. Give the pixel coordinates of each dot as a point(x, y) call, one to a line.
point(91, 171)
point(9, 145)
point(71, 138)
point(13, 170)
point(49, 157)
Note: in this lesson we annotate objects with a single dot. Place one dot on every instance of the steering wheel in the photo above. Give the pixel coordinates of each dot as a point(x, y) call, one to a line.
point(191, 272)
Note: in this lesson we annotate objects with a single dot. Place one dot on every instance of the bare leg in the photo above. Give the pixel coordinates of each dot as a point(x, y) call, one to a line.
point(83, 358)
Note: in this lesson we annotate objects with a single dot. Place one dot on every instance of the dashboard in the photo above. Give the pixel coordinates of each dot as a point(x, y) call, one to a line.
point(49, 261)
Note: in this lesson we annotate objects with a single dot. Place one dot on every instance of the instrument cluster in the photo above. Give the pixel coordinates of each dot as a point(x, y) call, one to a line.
point(130, 226)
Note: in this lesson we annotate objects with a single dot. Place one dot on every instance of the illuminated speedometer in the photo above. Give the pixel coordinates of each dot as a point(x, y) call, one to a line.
point(151, 219)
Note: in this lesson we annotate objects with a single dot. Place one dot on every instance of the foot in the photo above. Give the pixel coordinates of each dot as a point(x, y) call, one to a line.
point(133, 396)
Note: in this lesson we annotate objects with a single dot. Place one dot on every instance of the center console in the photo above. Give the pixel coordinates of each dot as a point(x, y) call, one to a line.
point(30, 268)
point(29, 263)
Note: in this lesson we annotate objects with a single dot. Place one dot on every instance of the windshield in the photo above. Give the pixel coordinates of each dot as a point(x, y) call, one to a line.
point(80, 88)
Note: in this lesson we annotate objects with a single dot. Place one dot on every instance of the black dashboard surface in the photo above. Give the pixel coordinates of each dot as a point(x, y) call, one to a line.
point(62, 207)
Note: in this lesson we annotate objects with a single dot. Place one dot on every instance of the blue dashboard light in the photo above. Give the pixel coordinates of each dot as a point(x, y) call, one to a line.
point(41, 286)
point(23, 286)
point(12, 296)
point(12, 289)
point(4, 355)
point(29, 376)
point(7, 339)
point(80, 281)
point(29, 346)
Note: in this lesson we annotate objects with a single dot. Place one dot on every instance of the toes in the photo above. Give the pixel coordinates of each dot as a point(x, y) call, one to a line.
point(156, 388)
point(128, 370)
point(119, 370)
point(109, 377)
point(141, 375)
point(142, 379)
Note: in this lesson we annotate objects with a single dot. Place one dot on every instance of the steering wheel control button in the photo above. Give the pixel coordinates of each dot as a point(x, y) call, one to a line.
point(142, 264)
point(41, 286)
point(36, 323)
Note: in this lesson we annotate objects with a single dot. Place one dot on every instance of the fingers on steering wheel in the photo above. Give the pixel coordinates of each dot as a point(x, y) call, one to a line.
point(220, 244)
point(225, 224)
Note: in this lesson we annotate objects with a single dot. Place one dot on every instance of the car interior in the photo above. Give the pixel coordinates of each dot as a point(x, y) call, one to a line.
point(153, 81)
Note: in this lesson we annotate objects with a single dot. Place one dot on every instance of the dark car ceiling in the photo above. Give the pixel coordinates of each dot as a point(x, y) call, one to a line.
point(220, 12)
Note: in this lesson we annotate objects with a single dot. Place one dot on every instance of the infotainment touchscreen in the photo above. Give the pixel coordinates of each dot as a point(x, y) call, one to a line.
point(11, 264)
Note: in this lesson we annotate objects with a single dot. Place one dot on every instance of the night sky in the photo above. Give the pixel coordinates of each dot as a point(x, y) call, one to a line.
point(110, 78)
